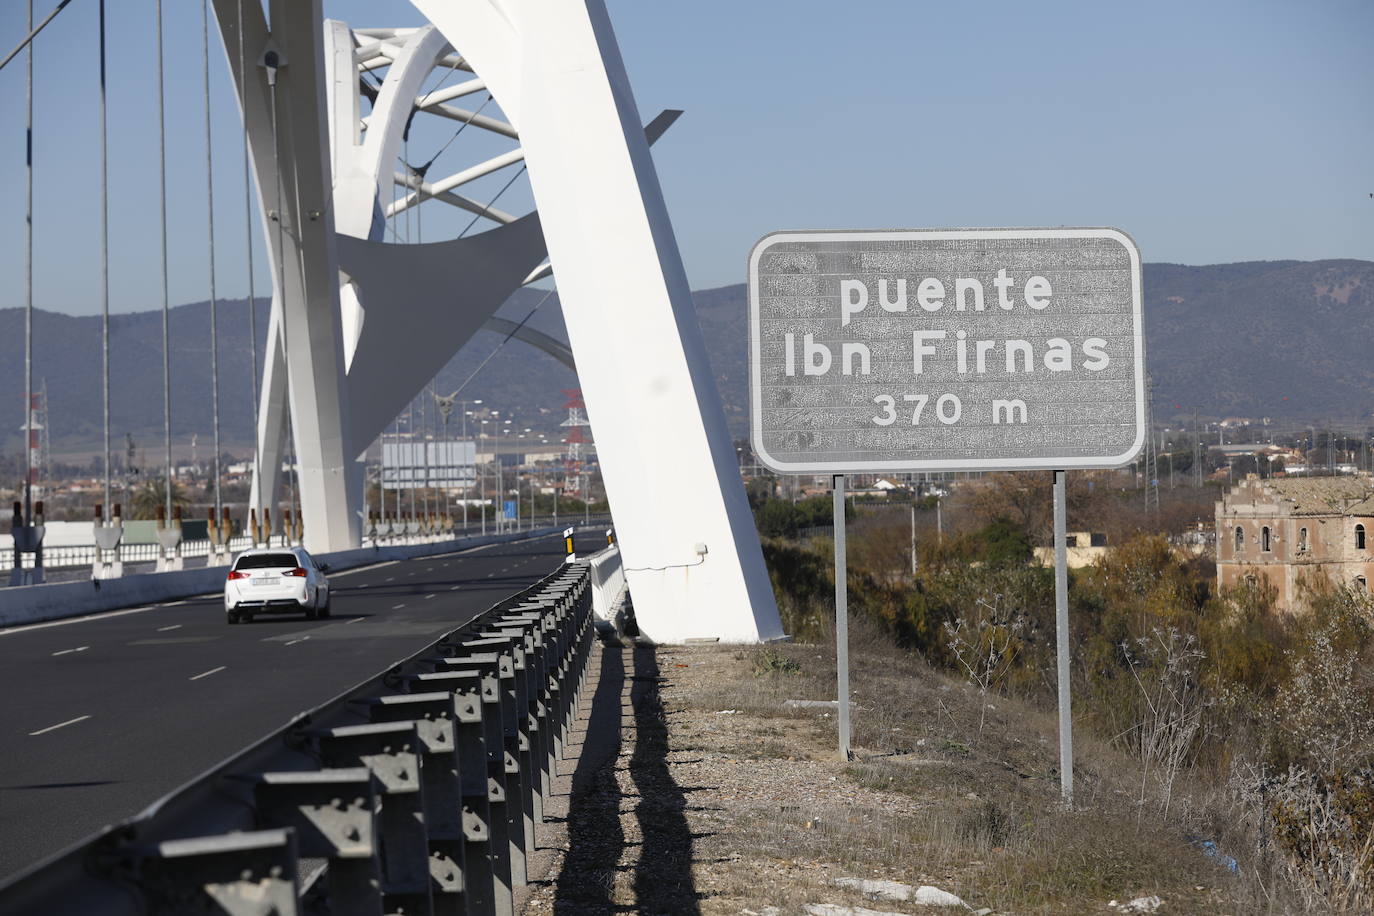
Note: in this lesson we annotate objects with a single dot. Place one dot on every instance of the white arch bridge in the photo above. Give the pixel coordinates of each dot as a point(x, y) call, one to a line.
point(360, 323)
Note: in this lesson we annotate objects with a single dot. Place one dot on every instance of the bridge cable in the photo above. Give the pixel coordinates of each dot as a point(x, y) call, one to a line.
point(108, 512)
point(166, 303)
point(491, 203)
point(248, 248)
point(33, 33)
point(513, 331)
point(210, 210)
point(28, 289)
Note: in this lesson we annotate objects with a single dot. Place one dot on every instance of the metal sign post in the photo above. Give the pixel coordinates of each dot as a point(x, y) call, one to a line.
point(841, 617)
point(1061, 626)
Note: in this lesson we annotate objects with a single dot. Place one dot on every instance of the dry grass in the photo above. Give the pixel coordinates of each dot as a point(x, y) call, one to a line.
point(767, 815)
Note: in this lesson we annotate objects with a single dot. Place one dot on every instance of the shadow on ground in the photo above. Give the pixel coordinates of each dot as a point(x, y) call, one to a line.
point(655, 848)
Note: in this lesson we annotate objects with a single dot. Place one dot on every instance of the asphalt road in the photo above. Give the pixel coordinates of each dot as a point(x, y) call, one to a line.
point(103, 715)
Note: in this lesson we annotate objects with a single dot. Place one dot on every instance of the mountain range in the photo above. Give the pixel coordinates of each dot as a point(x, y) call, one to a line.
point(1282, 339)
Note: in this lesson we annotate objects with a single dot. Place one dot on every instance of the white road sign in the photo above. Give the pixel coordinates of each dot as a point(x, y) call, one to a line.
point(948, 349)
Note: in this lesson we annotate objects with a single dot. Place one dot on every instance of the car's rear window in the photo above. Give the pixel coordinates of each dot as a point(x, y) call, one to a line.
point(267, 561)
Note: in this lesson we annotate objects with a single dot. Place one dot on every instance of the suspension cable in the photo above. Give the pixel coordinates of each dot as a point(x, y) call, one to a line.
point(105, 268)
point(252, 289)
point(33, 33)
point(491, 203)
point(28, 290)
point(210, 201)
point(166, 304)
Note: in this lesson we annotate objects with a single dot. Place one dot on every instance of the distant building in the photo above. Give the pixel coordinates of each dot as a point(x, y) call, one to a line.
point(1286, 529)
point(1083, 548)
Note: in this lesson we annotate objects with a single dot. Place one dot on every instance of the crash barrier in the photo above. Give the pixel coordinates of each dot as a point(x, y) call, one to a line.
point(608, 581)
point(416, 792)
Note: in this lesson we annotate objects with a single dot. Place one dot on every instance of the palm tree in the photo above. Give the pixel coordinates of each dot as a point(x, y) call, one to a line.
point(151, 495)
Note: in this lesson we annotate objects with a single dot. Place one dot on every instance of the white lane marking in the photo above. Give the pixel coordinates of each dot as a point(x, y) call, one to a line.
point(453, 588)
point(196, 677)
point(489, 575)
point(175, 626)
point(354, 620)
point(77, 649)
point(83, 619)
point(398, 606)
point(294, 641)
point(391, 578)
point(53, 728)
point(427, 597)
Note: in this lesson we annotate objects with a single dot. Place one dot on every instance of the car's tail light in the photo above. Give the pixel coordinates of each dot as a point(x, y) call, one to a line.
point(235, 574)
point(298, 572)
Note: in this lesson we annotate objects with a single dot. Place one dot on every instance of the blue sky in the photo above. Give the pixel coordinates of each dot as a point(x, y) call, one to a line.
point(1212, 132)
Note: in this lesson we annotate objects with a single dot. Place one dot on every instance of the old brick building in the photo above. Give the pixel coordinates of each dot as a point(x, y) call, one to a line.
point(1284, 529)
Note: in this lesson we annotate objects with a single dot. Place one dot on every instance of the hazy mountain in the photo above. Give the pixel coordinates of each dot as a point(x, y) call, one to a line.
point(1286, 339)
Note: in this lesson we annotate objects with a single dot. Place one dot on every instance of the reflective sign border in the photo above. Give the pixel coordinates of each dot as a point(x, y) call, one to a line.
point(932, 465)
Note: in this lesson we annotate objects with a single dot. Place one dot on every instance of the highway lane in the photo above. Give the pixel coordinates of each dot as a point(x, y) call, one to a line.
point(103, 715)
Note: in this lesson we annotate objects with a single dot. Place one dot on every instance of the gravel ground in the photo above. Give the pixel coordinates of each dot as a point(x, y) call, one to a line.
point(676, 808)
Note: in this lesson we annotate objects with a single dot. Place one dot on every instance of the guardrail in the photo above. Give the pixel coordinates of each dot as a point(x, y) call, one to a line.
point(78, 555)
point(416, 792)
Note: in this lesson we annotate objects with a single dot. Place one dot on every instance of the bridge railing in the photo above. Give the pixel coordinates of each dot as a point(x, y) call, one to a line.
point(84, 555)
point(418, 791)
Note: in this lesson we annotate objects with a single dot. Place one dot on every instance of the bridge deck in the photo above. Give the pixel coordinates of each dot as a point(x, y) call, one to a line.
point(103, 715)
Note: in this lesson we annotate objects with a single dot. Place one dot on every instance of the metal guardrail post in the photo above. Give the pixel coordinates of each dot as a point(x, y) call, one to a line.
point(391, 752)
point(485, 822)
point(432, 717)
point(333, 813)
point(238, 874)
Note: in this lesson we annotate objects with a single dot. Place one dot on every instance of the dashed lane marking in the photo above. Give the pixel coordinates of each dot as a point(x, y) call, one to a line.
point(196, 677)
point(294, 641)
point(53, 728)
point(68, 651)
point(427, 597)
point(175, 626)
point(354, 620)
point(398, 607)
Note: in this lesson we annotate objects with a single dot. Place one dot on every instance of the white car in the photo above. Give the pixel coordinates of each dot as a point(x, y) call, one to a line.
point(275, 580)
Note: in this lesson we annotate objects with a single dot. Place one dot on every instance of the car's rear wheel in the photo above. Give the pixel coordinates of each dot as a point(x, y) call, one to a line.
point(311, 613)
point(324, 611)
point(232, 617)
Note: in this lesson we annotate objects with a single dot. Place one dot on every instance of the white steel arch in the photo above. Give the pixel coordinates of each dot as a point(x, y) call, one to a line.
point(690, 550)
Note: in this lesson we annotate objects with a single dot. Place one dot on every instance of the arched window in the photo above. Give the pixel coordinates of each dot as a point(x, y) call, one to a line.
point(1264, 539)
point(1359, 537)
point(1240, 539)
point(1302, 539)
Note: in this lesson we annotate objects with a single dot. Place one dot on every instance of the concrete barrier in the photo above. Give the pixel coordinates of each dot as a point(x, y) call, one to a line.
point(38, 603)
point(608, 582)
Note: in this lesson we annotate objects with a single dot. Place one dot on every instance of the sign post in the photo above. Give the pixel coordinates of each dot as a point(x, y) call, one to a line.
point(947, 350)
point(1061, 629)
point(841, 616)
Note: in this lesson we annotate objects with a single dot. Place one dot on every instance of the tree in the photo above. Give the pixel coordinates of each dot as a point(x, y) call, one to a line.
point(151, 495)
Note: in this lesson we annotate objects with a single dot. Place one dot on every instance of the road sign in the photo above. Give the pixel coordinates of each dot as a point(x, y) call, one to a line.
point(949, 349)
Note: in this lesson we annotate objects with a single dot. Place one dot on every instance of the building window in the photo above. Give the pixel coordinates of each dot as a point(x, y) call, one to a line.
point(1240, 540)
point(1251, 581)
point(1364, 586)
point(1359, 537)
point(1302, 539)
point(1264, 539)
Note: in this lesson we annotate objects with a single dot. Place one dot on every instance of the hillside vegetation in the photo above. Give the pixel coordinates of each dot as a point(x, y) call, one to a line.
point(1252, 731)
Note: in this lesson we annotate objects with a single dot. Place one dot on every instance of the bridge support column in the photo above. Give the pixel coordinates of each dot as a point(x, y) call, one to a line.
point(691, 553)
point(280, 76)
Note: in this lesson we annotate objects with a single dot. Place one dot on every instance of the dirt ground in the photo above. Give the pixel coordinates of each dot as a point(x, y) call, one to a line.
point(691, 787)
